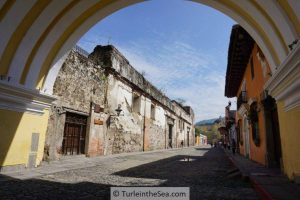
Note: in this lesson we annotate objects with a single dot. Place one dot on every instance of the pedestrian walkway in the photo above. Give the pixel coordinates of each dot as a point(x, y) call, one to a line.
point(74, 162)
point(271, 184)
point(202, 169)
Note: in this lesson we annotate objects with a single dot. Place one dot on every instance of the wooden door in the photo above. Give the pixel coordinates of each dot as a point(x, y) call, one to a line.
point(74, 134)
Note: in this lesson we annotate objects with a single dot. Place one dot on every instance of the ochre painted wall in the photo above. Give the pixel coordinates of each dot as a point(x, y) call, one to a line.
point(15, 132)
point(289, 122)
point(254, 88)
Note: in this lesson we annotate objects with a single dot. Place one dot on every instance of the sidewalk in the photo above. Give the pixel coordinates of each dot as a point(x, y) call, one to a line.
point(74, 162)
point(271, 184)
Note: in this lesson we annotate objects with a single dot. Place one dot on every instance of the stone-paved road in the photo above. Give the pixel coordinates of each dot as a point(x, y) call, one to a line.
point(205, 174)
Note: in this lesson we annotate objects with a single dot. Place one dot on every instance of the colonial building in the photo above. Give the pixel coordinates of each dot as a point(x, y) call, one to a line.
point(201, 139)
point(104, 106)
point(228, 131)
point(211, 130)
point(257, 120)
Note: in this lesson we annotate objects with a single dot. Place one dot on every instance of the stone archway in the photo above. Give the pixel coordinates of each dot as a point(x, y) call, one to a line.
point(52, 28)
point(35, 35)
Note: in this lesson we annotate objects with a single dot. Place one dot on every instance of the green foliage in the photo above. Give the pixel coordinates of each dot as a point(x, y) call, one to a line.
point(197, 131)
point(211, 131)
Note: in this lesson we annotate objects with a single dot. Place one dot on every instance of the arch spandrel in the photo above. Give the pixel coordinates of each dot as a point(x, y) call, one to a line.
point(270, 33)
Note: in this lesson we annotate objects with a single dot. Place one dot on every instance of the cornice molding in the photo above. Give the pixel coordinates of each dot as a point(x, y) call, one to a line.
point(285, 82)
point(18, 98)
point(243, 109)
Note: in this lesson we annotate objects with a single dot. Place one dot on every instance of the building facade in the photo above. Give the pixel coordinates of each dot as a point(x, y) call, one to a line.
point(201, 139)
point(211, 130)
point(104, 106)
point(257, 124)
point(228, 131)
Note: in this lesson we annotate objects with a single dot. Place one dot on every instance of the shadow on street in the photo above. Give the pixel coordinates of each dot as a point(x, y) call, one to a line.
point(205, 175)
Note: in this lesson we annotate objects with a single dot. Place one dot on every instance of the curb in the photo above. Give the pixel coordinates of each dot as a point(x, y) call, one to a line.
point(260, 190)
point(265, 195)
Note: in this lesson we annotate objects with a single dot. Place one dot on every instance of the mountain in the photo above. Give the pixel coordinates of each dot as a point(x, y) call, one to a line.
point(206, 122)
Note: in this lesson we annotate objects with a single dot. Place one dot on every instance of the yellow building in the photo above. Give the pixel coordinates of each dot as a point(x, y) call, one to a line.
point(23, 130)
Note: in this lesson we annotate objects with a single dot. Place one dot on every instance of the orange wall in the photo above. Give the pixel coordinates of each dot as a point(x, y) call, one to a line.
point(254, 88)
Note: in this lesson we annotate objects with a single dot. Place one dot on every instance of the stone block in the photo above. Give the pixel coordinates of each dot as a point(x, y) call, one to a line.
point(34, 142)
point(32, 160)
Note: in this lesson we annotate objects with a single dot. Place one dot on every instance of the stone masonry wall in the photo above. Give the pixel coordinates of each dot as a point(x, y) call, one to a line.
point(78, 83)
point(124, 132)
point(156, 136)
point(106, 79)
point(110, 57)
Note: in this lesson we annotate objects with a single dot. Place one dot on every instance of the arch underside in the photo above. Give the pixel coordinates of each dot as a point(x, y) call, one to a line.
point(35, 35)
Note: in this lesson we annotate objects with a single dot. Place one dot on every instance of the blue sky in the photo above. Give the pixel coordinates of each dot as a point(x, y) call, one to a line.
point(180, 45)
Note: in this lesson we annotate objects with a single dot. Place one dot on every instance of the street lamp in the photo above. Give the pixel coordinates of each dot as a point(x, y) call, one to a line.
point(112, 117)
point(118, 110)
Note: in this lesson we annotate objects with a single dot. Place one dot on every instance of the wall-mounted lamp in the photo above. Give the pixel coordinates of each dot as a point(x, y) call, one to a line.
point(112, 118)
point(118, 110)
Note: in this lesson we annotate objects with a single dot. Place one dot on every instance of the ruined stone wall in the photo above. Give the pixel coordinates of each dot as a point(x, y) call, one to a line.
point(123, 81)
point(156, 129)
point(107, 80)
point(171, 122)
point(54, 135)
point(110, 57)
point(184, 124)
point(156, 136)
point(125, 132)
point(155, 126)
point(78, 83)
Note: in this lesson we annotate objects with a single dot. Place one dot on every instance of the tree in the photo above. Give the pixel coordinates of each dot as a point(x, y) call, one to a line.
point(197, 131)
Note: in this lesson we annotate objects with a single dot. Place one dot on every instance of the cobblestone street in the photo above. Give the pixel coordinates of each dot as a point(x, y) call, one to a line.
point(205, 174)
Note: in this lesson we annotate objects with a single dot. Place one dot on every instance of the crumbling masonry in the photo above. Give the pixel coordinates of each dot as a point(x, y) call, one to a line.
point(104, 106)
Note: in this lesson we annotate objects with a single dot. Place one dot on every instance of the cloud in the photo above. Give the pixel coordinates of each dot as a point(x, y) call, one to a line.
point(180, 70)
point(183, 72)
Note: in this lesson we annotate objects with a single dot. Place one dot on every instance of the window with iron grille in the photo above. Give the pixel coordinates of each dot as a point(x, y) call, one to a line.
point(253, 116)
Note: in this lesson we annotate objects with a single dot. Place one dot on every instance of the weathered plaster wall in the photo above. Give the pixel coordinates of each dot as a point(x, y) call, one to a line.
point(107, 79)
point(124, 132)
point(54, 136)
point(95, 137)
point(157, 129)
point(114, 61)
point(79, 82)
point(184, 125)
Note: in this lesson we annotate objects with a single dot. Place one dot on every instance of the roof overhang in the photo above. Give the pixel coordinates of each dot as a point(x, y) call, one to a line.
point(240, 48)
